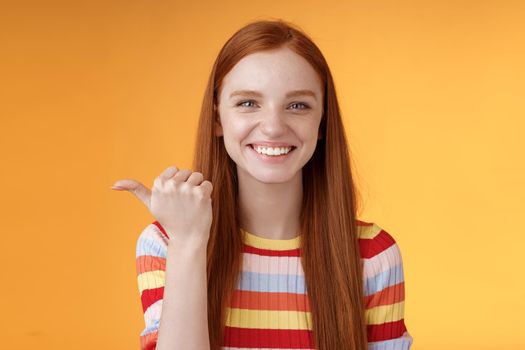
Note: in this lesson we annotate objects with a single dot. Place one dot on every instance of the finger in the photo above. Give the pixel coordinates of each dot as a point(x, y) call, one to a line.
point(168, 173)
point(195, 178)
point(181, 175)
point(139, 190)
point(207, 187)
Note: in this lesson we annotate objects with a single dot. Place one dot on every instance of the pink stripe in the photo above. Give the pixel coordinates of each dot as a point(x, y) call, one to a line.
point(381, 262)
point(272, 264)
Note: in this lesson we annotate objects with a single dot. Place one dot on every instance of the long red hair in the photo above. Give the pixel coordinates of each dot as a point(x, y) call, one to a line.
point(329, 250)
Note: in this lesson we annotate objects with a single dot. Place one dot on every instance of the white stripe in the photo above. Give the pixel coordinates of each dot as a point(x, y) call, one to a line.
point(153, 232)
point(153, 312)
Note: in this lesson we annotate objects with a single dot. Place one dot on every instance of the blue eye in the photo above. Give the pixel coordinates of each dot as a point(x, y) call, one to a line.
point(243, 102)
point(300, 103)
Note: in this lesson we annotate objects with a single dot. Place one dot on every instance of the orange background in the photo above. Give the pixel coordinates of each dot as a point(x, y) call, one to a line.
point(432, 93)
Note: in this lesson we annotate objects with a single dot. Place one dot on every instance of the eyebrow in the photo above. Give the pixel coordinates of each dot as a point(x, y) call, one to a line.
point(254, 93)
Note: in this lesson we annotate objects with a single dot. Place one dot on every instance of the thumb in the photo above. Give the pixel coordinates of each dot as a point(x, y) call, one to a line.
point(139, 190)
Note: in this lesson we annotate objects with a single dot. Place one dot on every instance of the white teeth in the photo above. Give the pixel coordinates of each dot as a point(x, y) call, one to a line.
point(272, 151)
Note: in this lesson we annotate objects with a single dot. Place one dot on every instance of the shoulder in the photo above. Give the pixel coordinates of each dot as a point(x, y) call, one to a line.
point(384, 288)
point(152, 241)
point(374, 240)
point(381, 256)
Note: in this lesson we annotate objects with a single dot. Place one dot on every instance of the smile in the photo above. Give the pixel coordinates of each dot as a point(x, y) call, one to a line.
point(272, 158)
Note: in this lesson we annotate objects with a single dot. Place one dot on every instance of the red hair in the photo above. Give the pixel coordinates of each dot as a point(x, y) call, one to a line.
point(330, 249)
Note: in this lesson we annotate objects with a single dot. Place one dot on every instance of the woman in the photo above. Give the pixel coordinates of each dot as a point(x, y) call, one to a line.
point(272, 254)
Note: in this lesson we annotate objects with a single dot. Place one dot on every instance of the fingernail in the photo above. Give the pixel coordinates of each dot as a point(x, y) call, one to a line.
point(116, 188)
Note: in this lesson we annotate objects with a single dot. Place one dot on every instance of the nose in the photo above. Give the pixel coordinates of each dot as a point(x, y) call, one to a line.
point(273, 123)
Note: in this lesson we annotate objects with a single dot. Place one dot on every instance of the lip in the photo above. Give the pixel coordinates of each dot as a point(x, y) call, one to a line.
point(271, 144)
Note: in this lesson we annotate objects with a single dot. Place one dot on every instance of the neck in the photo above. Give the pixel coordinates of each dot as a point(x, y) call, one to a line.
point(270, 210)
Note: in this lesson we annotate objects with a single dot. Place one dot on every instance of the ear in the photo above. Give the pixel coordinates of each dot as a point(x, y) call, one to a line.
point(217, 122)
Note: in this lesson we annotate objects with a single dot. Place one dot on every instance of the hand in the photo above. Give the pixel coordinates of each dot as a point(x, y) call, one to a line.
point(180, 201)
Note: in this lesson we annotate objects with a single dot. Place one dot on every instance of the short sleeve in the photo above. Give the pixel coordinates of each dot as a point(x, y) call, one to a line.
point(384, 286)
point(151, 266)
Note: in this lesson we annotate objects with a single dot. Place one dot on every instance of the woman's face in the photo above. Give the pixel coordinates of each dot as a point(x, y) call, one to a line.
point(284, 108)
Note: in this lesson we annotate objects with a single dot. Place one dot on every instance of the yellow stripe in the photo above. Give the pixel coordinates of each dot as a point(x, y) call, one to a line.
point(268, 319)
point(267, 243)
point(150, 280)
point(368, 232)
point(385, 313)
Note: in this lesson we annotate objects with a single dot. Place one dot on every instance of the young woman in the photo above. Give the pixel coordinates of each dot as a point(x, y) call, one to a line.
point(272, 256)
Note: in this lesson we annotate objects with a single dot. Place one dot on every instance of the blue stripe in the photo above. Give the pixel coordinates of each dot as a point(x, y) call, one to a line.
point(263, 282)
point(402, 343)
point(384, 279)
point(146, 246)
point(151, 327)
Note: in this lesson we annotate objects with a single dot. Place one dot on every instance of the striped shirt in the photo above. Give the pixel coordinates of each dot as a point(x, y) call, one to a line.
point(269, 308)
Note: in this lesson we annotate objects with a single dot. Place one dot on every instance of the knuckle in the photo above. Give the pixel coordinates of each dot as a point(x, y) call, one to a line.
point(157, 182)
point(201, 195)
point(171, 185)
point(185, 187)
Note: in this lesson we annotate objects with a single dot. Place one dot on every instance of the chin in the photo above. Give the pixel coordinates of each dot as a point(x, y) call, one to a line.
point(273, 178)
point(272, 181)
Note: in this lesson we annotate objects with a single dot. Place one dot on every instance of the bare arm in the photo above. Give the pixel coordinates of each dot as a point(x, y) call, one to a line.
point(180, 201)
point(184, 319)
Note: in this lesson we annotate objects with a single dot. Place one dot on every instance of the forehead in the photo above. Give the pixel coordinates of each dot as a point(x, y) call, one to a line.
point(272, 72)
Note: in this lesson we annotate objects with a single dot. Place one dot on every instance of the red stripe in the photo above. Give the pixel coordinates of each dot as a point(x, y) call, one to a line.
point(268, 252)
point(150, 296)
point(390, 295)
point(147, 263)
point(156, 223)
point(370, 247)
point(149, 341)
point(385, 331)
point(268, 338)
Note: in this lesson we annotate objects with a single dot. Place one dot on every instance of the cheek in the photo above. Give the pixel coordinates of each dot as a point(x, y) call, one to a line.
point(308, 132)
point(235, 134)
point(237, 128)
